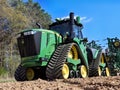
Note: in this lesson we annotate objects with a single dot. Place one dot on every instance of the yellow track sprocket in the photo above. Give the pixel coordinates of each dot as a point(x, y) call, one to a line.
point(73, 53)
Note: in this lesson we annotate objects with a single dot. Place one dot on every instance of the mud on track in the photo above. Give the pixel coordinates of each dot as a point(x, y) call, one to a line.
point(94, 83)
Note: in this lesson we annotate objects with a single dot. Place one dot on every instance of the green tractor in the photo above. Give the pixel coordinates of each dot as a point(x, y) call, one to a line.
point(113, 55)
point(58, 53)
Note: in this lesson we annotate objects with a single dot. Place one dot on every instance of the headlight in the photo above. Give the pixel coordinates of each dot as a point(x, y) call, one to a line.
point(29, 33)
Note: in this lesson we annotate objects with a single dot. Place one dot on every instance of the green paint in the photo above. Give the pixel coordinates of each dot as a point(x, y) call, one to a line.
point(47, 47)
point(74, 62)
point(83, 52)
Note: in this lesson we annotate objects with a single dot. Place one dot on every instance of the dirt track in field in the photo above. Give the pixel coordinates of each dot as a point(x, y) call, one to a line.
point(94, 83)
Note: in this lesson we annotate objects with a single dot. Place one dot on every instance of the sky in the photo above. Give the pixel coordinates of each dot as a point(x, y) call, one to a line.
point(100, 18)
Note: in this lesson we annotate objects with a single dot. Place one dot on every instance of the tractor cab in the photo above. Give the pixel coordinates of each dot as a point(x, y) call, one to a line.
point(69, 27)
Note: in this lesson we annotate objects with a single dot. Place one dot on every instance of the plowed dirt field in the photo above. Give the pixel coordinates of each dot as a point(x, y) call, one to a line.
point(94, 83)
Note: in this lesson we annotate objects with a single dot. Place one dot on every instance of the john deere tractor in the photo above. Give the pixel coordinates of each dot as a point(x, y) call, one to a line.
point(113, 55)
point(58, 53)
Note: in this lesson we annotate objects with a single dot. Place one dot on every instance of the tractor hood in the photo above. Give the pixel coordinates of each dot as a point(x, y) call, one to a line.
point(29, 43)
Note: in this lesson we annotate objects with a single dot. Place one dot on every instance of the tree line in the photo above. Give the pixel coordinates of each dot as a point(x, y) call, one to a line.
point(17, 15)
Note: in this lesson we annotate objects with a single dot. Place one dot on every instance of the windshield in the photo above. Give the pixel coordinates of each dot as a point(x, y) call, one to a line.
point(77, 31)
point(65, 28)
point(61, 28)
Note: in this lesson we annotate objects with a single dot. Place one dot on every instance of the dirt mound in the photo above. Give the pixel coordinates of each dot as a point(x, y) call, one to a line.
point(94, 83)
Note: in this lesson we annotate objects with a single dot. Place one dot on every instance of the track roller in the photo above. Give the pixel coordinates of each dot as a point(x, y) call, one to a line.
point(99, 71)
point(107, 71)
point(65, 71)
point(83, 71)
point(72, 74)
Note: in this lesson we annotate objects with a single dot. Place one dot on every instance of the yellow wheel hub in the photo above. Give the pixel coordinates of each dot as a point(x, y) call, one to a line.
point(65, 71)
point(73, 54)
point(83, 71)
point(107, 71)
point(30, 73)
point(99, 71)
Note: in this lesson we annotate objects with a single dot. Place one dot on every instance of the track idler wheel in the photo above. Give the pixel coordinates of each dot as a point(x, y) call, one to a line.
point(30, 74)
point(65, 71)
point(99, 71)
point(107, 71)
point(83, 71)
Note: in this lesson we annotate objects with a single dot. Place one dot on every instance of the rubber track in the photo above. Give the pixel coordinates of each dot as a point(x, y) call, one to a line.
point(20, 73)
point(93, 68)
point(51, 64)
point(61, 61)
point(111, 67)
point(56, 62)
